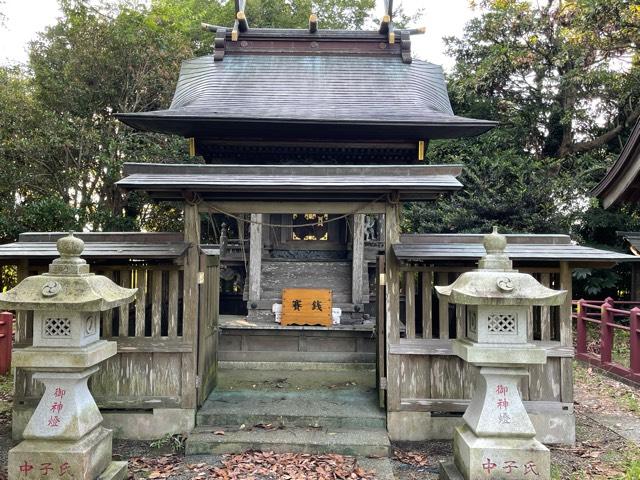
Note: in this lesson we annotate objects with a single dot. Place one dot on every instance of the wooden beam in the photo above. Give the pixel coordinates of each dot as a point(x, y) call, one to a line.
point(357, 262)
point(236, 207)
point(255, 256)
point(313, 23)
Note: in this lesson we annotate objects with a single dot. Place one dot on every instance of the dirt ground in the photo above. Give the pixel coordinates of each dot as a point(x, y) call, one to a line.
point(601, 450)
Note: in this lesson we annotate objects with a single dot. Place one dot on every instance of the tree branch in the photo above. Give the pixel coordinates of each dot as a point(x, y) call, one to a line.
point(581, 147)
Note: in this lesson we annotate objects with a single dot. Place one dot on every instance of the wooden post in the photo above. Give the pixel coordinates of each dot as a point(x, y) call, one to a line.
point(427, 304)
point(392, 279)
point(141, 302)
point(380, 325)
point(410, 304)
point(566, 334)
point(255, 256)
point(581, 329)
point(358, 259)
point(634, 341)
point(545, 311)
point(606, 331)
point(22, 317)
point(443, 310)
point(123, 328)
point(190, 304)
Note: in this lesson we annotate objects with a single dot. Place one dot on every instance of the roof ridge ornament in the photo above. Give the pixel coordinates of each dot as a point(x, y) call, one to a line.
point(386, 24)
point(241, 24)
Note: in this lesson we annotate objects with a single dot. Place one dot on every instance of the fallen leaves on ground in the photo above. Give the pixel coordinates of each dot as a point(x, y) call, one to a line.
point(155, 467)
point(253, 465)
point(415, 459)
point(290, 466)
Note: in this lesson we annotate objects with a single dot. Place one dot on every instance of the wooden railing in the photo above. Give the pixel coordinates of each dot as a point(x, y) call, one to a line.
point(611, 317)
point(153, 354)
point(424, 375)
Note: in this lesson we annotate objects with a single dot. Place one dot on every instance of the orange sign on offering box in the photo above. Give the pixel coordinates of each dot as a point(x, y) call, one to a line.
point(306, 306)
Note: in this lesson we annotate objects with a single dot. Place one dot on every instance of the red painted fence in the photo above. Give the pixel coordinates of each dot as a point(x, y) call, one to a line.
point(610, 315)
point(6, 341)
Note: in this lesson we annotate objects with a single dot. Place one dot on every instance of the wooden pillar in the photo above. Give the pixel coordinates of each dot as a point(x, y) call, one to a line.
point(190, 304)
point(392, 278)
point(358, 259)
point(22, 317)
point(443, 309)
point(255, 256)
point(566, 334)
point(427, 304)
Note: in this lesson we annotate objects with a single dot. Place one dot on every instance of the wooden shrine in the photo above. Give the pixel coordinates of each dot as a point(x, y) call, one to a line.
point(308, 143)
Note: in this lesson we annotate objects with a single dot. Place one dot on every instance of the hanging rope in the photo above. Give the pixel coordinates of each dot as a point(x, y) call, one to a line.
point(335, 219)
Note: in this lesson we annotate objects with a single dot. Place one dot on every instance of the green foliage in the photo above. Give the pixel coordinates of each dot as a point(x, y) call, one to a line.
point(563, 80)
point(173, 442)
point(61, 148)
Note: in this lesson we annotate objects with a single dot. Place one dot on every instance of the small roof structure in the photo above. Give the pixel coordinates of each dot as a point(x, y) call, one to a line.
point(67, 286)
point(622, 181)
point(308, 182)
point(465, 248)
point(99, 245)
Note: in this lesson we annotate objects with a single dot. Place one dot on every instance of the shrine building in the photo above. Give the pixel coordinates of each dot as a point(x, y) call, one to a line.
point(306, 144)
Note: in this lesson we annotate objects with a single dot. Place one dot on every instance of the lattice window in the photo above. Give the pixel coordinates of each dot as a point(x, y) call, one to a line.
point(502, 323)
point(57, 327)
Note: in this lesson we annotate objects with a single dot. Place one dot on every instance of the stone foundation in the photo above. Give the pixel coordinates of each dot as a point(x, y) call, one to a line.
point(84, 459)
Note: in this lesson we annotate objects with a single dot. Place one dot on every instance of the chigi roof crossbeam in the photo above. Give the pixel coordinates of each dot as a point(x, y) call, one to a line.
point(312, 40)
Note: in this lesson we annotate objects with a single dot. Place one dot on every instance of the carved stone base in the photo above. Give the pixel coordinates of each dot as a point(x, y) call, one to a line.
point(499, 458)
point(86, 458)
point(66, 411)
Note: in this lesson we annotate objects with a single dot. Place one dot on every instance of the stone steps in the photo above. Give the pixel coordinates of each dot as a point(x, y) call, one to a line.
point(369, 442)
point(283, 410)
point(343, 409)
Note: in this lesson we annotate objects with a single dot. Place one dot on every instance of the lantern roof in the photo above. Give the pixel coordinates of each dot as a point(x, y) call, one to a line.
point(495, 282)
point(67, 286)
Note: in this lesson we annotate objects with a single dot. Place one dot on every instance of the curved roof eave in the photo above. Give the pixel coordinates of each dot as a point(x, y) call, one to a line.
point(615, 187)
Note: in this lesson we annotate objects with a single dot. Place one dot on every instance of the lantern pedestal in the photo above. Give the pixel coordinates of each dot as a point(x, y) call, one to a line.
point(87, 458)
point(497, 439)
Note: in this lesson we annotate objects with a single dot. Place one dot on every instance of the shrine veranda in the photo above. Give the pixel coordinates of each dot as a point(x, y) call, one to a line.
point(312, 142)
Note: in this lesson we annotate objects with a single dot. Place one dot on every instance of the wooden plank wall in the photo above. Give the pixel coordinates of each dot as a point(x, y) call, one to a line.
point(154, 344)
point(432, 379)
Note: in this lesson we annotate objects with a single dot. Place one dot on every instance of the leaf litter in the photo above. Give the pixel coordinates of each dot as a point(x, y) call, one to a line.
point(252, 465)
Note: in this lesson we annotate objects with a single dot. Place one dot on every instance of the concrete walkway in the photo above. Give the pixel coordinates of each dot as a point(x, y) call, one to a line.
point(627, 426)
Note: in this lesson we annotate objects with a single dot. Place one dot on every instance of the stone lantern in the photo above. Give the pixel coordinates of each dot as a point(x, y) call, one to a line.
point(497, 438)
point(64, 437)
